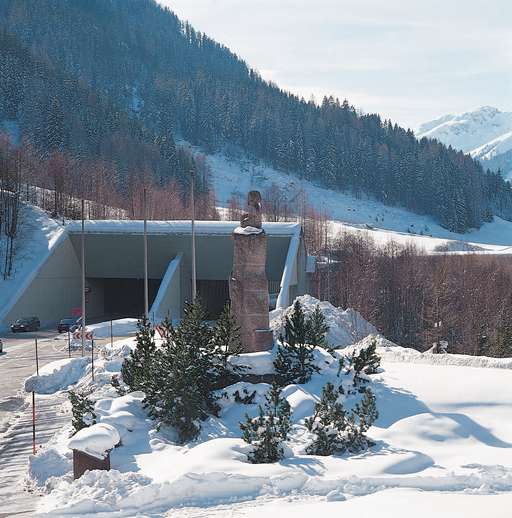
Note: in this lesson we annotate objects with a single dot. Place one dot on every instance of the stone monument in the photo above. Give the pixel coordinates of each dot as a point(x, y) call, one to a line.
point(248, 286)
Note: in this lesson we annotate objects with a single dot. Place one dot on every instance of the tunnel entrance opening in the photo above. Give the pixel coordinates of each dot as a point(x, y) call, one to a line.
point(125, 297)
point(214, 295)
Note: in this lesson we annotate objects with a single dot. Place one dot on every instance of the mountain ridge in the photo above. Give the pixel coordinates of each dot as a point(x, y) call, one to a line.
point(186, 85)
point(484, 133)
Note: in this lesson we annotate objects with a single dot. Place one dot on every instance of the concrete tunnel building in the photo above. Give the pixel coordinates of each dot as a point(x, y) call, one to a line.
point(115, 265)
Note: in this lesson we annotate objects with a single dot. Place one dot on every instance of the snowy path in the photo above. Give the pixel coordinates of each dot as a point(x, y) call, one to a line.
point(16, 446)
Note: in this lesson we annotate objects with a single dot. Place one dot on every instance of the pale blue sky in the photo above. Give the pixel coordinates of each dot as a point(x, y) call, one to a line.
point(410, 60)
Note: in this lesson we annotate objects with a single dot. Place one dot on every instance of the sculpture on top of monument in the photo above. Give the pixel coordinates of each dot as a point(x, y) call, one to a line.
point(248, 285)
point(252, 218)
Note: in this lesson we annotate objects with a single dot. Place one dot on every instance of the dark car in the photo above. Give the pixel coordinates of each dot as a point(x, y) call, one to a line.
point(70, 324)
point(25, 324)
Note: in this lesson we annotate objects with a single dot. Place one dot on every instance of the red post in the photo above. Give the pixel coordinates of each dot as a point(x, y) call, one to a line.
point(34, 423)
point(92, 356)
point(34, 406)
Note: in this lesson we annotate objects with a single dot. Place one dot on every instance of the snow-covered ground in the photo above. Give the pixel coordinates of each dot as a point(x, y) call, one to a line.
point(443, 442)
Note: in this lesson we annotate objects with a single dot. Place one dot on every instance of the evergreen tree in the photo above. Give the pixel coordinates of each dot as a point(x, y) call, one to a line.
point(82, 410)
point(317, 328)
point(359, 422)
point(137, 369)
point(367, 360)
point(182, 395)
point(190, 366)
point(327, 423)
point(269, 430)
point(294, 361)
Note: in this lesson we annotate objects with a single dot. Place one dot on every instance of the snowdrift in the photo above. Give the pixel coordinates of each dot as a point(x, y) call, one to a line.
point(345, 326)
point(57, 375)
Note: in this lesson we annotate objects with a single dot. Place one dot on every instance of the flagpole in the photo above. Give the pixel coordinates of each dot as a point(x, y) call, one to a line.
point(146, 295)
point(193, 217)
point(83, 275)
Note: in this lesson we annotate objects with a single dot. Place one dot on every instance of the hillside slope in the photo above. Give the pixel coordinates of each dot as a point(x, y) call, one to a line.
point(171, 80)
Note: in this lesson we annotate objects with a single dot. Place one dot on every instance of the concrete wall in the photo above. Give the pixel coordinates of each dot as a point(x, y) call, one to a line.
point(167, 303)
point(55, 289)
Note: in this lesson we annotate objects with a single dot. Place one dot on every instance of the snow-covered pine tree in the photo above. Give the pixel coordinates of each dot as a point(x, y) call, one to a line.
point(82, 410)
point(359, 422)
point(317, 328)
point(294, 361)
point(183, 395)
point(269, 430)
point(327, 423)
point(137, 369)
point(367, 361)
point(225, 342)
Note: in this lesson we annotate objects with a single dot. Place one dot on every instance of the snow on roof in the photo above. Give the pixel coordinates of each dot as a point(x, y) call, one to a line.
point(96, 440)
point(176, 227)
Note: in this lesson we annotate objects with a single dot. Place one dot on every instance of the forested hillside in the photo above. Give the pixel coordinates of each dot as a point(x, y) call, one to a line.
point(134, 76)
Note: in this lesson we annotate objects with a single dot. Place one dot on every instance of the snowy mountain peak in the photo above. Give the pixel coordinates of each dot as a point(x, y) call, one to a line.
point(485, 133)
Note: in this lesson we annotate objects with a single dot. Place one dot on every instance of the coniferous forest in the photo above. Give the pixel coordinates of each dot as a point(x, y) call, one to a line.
point(122, 80)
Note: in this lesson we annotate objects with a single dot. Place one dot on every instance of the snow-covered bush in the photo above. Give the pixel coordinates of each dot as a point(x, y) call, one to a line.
point(327, 424)
point(295, 360)
point(267, 432)
point(359, 422)
point(365, 362)
point(338, 431)
point(82, 410)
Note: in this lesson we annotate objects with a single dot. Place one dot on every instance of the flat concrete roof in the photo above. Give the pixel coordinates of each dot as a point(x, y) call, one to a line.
point(221, 228)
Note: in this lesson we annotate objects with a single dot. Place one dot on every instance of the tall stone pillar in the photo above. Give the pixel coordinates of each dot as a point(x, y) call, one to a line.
point(248, 286)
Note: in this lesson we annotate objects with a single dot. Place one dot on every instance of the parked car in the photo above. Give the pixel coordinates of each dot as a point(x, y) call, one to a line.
point(26, 324)
point(70, 324)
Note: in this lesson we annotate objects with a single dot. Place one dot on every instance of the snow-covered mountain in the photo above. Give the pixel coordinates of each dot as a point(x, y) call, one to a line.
point(486, 134)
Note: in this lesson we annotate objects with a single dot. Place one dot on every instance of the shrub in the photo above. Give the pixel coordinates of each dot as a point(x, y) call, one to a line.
point(82, 410)
point(269, 430)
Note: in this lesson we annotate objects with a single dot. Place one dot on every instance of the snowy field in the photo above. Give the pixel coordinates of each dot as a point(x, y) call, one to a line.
point(443, 445)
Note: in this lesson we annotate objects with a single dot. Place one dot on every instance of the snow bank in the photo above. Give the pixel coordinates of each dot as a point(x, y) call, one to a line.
point(96, 440)
point(345, 326)
point(57, 375)
point(46, 464)
point(391, 352)
point(121, 327)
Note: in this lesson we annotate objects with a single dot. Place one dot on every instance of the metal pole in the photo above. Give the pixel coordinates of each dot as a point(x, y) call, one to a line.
point(92, 357)
point(146, 297)
point(193, 218)
point(69, 344)
point(37, 359)
point(111, 334)
point(83, 276)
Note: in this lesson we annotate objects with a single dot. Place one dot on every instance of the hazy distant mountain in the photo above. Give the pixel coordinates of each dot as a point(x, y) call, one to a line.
point(486, 134)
